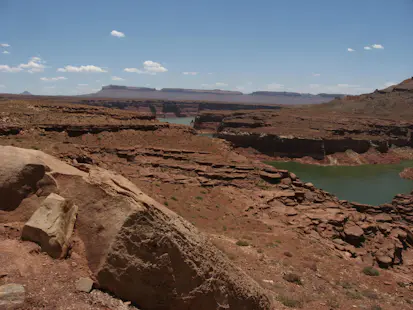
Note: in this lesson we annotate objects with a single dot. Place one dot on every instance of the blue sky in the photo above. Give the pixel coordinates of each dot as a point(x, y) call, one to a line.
point(74, 47)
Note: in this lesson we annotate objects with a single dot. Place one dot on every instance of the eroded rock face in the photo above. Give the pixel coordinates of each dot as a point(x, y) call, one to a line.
point(51, 225)
point(141, 251)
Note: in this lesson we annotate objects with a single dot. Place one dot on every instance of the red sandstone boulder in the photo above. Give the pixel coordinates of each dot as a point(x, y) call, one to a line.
point(136, 248)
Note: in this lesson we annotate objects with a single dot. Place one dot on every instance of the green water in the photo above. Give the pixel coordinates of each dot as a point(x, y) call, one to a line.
point(178, 120)
point(370, 184)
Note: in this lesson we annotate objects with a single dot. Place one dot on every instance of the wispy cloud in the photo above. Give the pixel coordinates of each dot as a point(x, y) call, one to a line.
point(53, 79)
point(378, 46)
point(116, 33)
point(4, 45)
point(82, 69)
point(350, 50)
point(275, 86)
point(6, 52)
point(189, 73)
point(35, 64)
point(149, 67)
point(316, 74)
point(220, 84)
point(7, 68)
point(2, 86)
point(82, 85)
point(117, 78)
point(367, 48)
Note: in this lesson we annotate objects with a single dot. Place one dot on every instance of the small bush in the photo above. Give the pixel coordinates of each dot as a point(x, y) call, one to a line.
point(35, 147)
point(370, 294)
point(293, 278)
point(217, 206)
point(346, 285)
point(242, 243)
point(166, 203)
point(174, 198)
point(354, 295)
point(376, 307)
point(288, 254)
point(199, 198)
point(203, 192)
point(370, 271)
point(333, 303)
point(290, 301)
point(224, 228)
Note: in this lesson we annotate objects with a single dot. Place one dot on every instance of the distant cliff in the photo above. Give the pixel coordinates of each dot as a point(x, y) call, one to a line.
point(214, 95)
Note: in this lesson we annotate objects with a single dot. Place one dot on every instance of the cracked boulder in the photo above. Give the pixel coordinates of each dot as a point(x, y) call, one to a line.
point(141, 251)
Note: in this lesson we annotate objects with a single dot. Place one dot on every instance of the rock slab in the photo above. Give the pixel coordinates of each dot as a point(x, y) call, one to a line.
point(84, 285)
point(12, 296)
point(51, 226)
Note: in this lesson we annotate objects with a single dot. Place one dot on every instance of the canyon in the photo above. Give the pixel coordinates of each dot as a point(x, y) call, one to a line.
point(159, 206)
point(371, 128)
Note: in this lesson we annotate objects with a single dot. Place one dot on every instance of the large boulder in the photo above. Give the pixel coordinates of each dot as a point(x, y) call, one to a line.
point(140, 250)
point(51, 225)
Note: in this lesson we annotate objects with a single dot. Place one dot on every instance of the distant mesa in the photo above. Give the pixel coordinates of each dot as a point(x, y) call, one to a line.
point(216, 95)
point(26, 93)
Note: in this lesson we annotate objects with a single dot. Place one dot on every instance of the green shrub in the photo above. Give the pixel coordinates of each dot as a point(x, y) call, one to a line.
point(293, 278)
point(242, 243)
point(174, 198)
point(290, 301)
point(370, 271)
point(199, 198)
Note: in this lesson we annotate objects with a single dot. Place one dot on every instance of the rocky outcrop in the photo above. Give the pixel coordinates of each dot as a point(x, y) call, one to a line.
point(51, 225)
point(138, 249)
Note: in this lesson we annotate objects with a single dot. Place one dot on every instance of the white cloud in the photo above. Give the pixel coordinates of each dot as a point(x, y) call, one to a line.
point(315, 85)
point(87, 68)
point(388, 84)
point(118, 34)
point(2, 86)
point(117, 78)
point(210, 73)
point(189, 73)
point(367, 48)
point(52, 79)
point(316, 74)
point(149, 67)
point(82, 85)
point(4, 45)
point(49, 87)
point(378, 46)
point(220, 84)
point(6, 68)
point(133, 70)
point(350, 50)
point(6, 52)
point(275, 86)
point(240, 88)
point(35, 64)
point(154, 67)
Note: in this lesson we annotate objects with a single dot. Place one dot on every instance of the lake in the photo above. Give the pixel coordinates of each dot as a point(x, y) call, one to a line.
point(370, 184)
point(178, 120)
